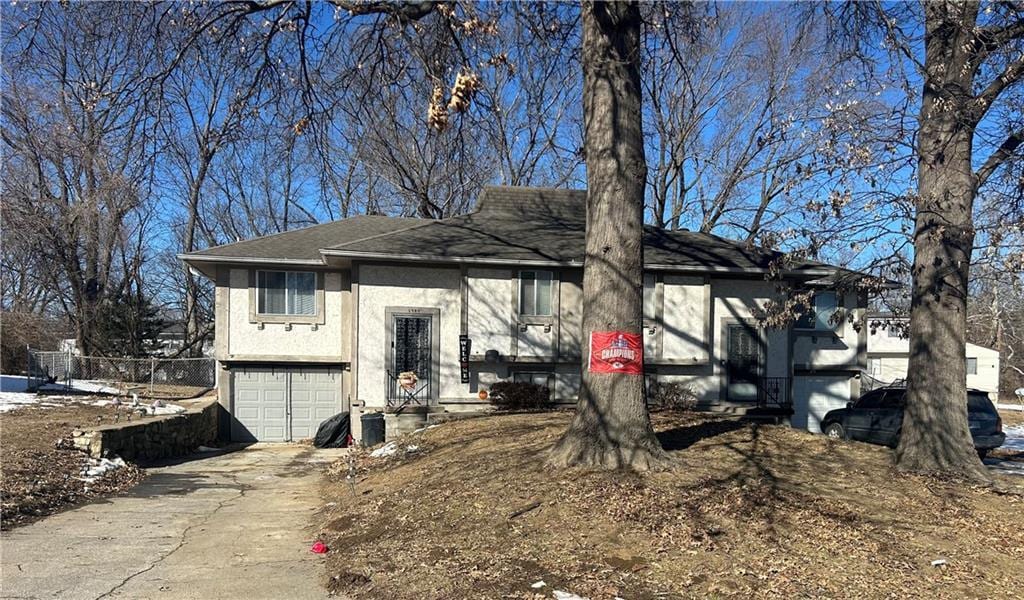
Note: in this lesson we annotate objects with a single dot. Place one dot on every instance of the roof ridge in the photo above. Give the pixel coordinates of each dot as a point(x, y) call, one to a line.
point(527, 188)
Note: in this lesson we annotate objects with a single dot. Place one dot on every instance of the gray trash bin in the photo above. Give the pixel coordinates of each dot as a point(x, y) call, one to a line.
point(373, 428)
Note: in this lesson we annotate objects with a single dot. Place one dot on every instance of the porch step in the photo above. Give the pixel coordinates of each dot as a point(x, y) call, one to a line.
point(744, 409)
point(434, 419)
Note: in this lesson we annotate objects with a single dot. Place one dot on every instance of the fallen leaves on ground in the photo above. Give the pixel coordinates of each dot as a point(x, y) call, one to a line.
point(748, 511)
point(42, 470)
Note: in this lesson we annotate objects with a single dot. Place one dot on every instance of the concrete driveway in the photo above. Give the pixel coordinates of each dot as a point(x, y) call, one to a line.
point(232, 525)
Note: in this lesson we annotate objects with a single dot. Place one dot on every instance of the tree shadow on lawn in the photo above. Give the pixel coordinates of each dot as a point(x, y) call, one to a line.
point(763, 474)
point(681, 438)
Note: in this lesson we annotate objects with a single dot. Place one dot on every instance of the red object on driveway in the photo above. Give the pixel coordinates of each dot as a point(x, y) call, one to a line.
point(319, 548)
point(616, 352)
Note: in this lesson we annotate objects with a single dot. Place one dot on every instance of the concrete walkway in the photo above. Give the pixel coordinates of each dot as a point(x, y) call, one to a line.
point(234, 525)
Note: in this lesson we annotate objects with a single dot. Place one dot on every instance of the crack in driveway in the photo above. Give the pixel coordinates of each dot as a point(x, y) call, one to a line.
point(184, 538)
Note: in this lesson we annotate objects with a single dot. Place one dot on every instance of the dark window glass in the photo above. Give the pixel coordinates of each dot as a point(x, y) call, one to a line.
point(978, 402)
point(870, 400)
point(893, 398)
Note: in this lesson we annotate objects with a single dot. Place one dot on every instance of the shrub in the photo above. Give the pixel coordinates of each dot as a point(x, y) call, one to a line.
point(507, 395)
point(672, 396)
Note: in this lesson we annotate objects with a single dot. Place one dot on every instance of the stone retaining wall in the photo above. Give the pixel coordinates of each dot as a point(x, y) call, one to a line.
point(161, 437)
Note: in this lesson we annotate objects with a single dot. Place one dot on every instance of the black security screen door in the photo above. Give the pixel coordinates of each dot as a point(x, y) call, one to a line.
point(743, 363)
point(412, 351)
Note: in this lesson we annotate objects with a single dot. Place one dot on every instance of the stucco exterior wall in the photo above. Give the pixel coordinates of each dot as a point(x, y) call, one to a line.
point(684, 323)
point(247, 340)
point(888, 368)
point(381, 287)
point(570, 321)
point(490, 317)
point(837, 349)
point(880, 341)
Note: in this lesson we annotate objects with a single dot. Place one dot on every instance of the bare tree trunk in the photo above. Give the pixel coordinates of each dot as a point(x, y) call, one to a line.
point(935, 436)
point(192, 327)
point(612, 427)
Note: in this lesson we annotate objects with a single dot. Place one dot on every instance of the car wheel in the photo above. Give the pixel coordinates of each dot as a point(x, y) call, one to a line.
point(982, 453)
point(835, 431)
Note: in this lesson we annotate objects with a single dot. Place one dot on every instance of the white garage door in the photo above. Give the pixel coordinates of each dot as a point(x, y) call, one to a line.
point(813, 396)
point(283, 404)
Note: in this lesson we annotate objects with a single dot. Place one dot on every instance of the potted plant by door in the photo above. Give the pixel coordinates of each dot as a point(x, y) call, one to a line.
point(408, 379)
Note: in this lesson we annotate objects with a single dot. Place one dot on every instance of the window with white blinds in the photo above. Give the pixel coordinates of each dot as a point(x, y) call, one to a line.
point(286, 292)
point(535, 293)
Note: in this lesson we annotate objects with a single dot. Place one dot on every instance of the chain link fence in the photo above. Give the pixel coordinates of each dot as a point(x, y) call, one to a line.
point(166, 378)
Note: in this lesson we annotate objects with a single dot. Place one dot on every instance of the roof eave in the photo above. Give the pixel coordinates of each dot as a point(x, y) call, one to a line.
point(385, 256)
point(309, 262)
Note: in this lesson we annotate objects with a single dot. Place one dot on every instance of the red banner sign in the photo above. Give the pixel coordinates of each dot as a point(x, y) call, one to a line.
point(616, 352)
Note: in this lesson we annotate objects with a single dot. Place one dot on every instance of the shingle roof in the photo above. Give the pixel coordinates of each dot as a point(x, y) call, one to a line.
point(517, 224)
point(305, 243)
point(510, 224)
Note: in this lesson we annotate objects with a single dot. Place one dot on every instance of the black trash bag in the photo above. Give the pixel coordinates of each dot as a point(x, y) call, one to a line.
point(333, 433)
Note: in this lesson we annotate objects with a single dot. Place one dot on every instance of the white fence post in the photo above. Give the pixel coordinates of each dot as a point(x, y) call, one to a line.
point(152, 374)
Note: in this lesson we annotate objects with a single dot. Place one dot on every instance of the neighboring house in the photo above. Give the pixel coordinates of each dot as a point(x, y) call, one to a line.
point(323, 319)
point(169, 341)
point(889, 355)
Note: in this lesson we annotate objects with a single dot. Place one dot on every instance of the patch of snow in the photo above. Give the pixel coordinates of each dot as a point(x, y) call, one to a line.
point(95, 468)
point(167, 409)
point(1019, 407)
point(538, 584)
point(386, 450)
point(1014, 438)
point(412, 448)
point(81, 385)
point(1008, 467)
point(422, 429)
point(13, 400)
point(560, 595)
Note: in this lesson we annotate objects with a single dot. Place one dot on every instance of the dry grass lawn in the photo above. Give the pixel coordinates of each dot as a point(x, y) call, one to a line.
point(750, 511)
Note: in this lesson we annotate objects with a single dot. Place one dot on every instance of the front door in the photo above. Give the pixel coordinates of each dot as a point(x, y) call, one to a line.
point(742, 363)
point(411, 352)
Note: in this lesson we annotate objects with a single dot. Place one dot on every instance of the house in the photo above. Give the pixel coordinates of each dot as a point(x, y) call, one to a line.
point(889, 355)
point(327, 318)
point(168, 342)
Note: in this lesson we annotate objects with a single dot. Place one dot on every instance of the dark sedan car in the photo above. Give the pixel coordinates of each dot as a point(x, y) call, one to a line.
point(877, 417)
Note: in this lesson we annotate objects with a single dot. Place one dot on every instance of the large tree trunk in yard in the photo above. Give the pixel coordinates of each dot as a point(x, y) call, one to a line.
point(611, 427)
point(935, 436)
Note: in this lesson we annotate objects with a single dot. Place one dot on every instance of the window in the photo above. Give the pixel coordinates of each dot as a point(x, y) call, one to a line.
point(535, 378)
point(535, 293)
point(871, 400)
point(285, 293)
point(650, 298)
point(819, 317)
point(893, 398)
point(972, 366)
